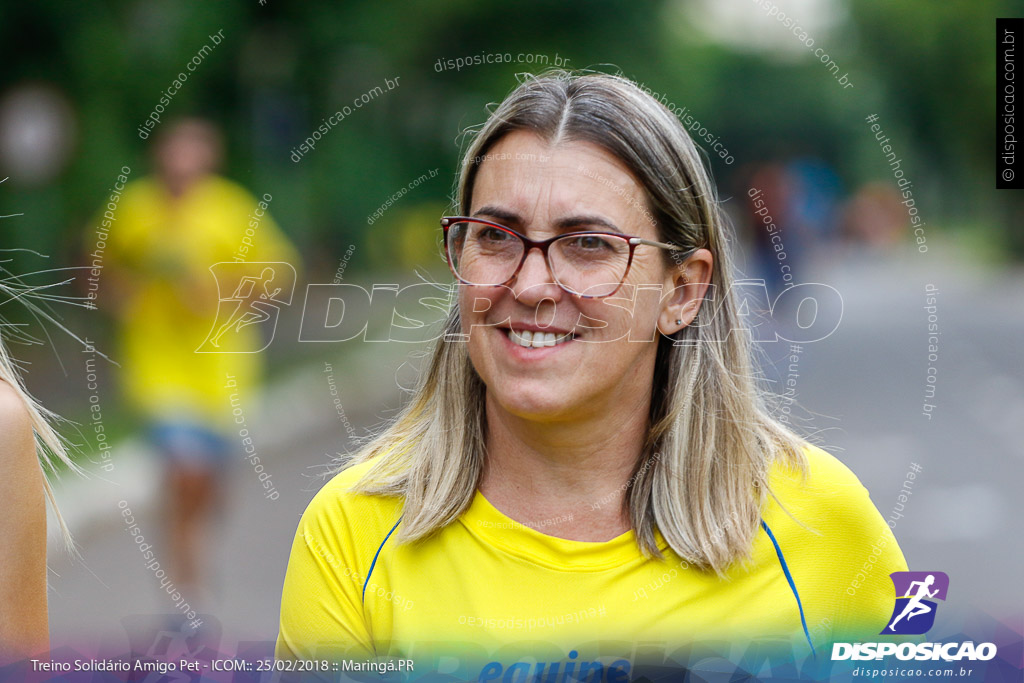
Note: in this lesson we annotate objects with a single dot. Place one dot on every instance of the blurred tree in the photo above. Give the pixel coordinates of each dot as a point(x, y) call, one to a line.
point(283, 68)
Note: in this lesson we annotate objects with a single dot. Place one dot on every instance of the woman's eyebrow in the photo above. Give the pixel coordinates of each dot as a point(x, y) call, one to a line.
point(587, 220)
point(499, 214)
point(566, 223)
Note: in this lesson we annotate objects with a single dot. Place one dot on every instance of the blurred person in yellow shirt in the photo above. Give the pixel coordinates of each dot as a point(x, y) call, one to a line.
point(170, 228)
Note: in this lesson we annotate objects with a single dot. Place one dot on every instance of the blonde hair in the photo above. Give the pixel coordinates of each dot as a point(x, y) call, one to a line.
point(702, 479)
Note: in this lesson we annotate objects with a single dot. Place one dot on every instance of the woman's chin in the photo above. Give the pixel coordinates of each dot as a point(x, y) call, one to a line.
point(541, 404)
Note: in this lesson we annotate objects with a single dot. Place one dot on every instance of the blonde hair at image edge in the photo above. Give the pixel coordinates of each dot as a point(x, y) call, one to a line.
point(710, 419)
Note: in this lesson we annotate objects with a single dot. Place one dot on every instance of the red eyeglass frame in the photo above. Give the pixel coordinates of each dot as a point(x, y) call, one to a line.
point(543, 246)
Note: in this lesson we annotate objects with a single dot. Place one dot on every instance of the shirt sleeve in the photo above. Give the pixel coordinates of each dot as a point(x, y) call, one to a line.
point(867, 595)
point(321, 603)
point(843, 550)
point(272, 245)
point(124, 229)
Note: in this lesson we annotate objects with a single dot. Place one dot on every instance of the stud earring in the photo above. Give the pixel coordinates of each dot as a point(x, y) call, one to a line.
point(679, 321)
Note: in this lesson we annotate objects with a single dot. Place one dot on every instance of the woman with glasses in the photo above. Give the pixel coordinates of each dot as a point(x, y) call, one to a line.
point(587, 461)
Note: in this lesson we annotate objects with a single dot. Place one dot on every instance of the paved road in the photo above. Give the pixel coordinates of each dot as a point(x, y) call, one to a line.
point(865, 385)
point(297, 430)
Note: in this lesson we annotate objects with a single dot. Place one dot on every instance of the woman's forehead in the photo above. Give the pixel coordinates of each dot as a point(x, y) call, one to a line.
point(532, 178)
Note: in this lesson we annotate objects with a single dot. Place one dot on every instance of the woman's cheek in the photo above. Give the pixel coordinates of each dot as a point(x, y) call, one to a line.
point(473, 310)
point(609, 321)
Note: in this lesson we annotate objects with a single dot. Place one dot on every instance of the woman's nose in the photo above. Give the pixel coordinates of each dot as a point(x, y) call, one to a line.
point(535, 282)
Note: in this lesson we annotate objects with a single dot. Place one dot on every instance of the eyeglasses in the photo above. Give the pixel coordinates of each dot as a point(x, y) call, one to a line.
point(588, 264)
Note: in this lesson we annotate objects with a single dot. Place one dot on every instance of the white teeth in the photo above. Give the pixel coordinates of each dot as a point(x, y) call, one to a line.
point(537, 340)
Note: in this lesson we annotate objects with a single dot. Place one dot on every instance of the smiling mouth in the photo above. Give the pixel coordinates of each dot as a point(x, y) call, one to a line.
point(537, 340)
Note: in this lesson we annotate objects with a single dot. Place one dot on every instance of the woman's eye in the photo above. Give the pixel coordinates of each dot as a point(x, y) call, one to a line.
point(492, 235)
point(590, 243)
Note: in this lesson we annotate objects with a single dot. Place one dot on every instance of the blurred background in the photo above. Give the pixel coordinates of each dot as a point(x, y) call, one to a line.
point(361, 206)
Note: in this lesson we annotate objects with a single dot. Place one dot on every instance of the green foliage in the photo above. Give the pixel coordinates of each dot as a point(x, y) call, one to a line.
point(926, 68)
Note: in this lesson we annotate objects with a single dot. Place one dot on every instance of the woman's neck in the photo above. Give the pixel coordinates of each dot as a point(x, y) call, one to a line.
point(569, 478)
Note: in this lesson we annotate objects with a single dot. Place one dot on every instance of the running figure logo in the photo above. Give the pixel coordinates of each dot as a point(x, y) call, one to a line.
point(254, 300)
point(914, 612)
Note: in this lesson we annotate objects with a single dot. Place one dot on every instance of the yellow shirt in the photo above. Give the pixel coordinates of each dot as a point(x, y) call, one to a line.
point(486, 587)
point(164, 248)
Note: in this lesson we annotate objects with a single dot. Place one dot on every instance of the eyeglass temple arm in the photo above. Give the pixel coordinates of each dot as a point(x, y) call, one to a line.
point(652, 243)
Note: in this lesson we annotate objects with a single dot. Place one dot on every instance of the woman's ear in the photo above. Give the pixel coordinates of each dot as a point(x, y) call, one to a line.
point(687, 283)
